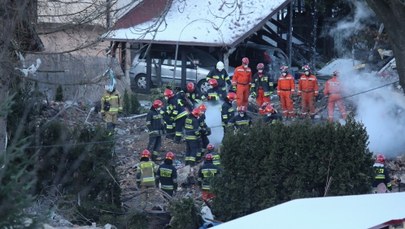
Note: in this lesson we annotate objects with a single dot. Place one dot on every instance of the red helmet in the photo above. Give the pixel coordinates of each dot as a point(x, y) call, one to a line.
point(202, 107)
point(196, 112)
point(145, 153)
point(231, 96)
point(245, 60)
point(242, 109)
point(210, 147)
point(157, 103)
point(269, 109)
point(284, 68)
point(260, 66)
point(380, 158)
point(208, 157)
point(213, 82)
point(170, 155)
point(306, 67)
point(190, 87)
point(168, 93)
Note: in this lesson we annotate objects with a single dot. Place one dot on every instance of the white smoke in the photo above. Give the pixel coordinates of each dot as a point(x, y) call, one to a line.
point(380, 108)
point(346, 28)
point(213, 120)
point(378, 105)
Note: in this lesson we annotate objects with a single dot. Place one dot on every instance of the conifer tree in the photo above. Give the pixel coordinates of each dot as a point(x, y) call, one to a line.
point(271, 164)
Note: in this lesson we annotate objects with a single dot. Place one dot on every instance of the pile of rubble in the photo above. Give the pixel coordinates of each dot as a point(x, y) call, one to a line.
point(131, 139)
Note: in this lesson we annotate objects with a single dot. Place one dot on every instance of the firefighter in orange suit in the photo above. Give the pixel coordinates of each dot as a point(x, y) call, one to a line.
point(241, 80)
point(308, 89)
point(285, 91)
point(333, 93)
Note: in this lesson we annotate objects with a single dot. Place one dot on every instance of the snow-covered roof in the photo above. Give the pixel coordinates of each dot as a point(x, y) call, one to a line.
point(202, 22)
point(349, 212)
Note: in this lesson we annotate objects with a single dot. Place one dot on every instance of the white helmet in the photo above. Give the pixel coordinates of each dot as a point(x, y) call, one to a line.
point(109, 88)
point(220, 65)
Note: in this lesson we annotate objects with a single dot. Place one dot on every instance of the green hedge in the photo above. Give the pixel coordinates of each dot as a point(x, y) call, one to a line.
point(272, 164)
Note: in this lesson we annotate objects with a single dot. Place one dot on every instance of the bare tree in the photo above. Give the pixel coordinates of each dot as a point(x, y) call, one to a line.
point(392, 14)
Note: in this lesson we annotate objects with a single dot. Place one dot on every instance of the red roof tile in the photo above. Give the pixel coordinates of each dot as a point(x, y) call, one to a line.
point(144, 11)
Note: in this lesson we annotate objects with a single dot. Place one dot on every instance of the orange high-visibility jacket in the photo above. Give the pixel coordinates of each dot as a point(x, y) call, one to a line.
point(285, 83)
point(332, 86)
point(308, 84)
point(242, 75)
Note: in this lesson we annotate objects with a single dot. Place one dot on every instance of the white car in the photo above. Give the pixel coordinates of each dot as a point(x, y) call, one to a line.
point(198, 65)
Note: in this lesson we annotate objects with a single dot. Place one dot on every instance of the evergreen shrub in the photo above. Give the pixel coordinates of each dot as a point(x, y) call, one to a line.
point(272, 164)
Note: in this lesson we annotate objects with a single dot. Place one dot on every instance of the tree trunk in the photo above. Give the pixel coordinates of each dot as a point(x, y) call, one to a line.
point(17, 29)
point(392, 14)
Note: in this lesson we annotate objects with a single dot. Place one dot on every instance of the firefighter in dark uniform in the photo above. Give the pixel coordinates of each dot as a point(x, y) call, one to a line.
point(221, 76)
point(241, 120)
point(154, 123)
point(207, 171)
point(214, 93)
point(193, 139)
point(216, 158)
point(270, 115)
point(178, 113)
point(168, 121)
point(204, 130)
point(227, 110)
point(261, 87)
point(382, 174)
point(192, 95)
point(166, 175)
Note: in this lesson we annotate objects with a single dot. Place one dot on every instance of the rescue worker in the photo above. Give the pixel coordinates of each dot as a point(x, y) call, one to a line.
point(182, 99)
point(227, 110)
point(204, 130)
point(241, 79)
point(192, 95)
point(207, 171)
point(166, 175)
point(270, 114)
point(261, 87)
point(241, 120)
point(168, 121)
point(285, 91)
point(155, 126)
point(382, 174)
point(213, 94)
point(177, 112)
point(111, 104)
point(333, 93)
point(308, 89)
point(193, 136)
point(216, 158)
point(146, 171)
point(221, 76)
